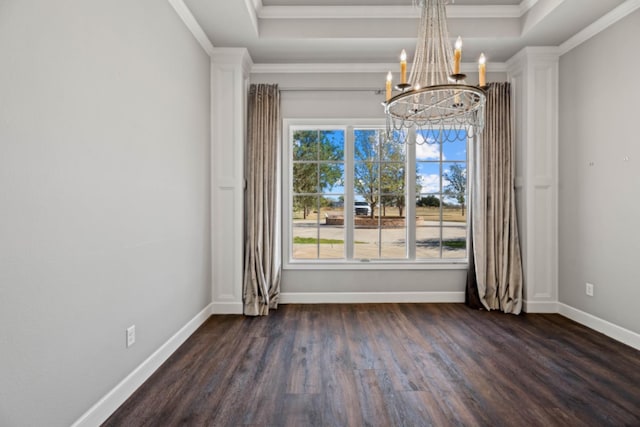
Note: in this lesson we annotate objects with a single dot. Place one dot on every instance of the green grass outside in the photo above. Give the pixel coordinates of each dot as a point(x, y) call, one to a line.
point(313, 241)
point(454, 244)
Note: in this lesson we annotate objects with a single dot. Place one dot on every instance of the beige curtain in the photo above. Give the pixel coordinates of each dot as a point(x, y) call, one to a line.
point(495, 277)
point(262, 242)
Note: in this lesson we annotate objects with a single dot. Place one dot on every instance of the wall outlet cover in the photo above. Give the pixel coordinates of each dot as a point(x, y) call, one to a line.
point(589, 289)
point(131, 335)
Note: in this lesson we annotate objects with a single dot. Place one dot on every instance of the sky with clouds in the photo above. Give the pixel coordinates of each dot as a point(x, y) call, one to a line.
point(428, 152)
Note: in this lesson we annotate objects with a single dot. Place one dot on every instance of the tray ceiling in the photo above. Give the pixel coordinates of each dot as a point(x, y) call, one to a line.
point(374, 31)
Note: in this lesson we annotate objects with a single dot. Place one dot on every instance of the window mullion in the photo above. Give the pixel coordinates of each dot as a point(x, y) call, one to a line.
point(317, 193)
point(379, 179)
point(410, 196)
point(442, 196)
point(349, 201)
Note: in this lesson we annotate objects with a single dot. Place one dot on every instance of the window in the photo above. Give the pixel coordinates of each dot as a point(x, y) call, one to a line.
point(317, 178)
point(350, 198)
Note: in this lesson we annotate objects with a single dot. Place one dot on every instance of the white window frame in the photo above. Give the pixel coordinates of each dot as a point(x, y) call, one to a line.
point(348, 125)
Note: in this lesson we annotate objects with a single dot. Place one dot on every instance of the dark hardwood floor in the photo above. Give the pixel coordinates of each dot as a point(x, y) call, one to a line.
point(391, 365)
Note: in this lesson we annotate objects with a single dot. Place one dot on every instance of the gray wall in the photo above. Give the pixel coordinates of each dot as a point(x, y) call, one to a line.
point(104, 197)
point(599, 201)
point(313, 104)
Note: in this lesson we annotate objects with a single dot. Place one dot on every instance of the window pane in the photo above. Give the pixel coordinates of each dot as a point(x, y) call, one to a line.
point(365, 238)
point(454, 184)
point(333, 204)
point(390, 152)
point(305, 145)
point(428, 177)
point(331, 177)
point(304, 248)
point(366, 181)
point(454, 242)
point(304, 207)
point(427, 241)
point(394, 239)
point(428, 209)
point(305, 178)
point(304, 228)
point(430, 152)
point(366, 143)
point(331, 242)
point(332, 215)
point(456, 150)
point(454, 214)
point(331, 145)
point(392, 178)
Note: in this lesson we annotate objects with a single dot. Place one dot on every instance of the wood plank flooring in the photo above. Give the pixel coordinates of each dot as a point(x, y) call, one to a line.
point(391, 365)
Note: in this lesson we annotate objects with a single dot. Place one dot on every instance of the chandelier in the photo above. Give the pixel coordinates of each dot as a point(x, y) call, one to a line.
point(435, 97)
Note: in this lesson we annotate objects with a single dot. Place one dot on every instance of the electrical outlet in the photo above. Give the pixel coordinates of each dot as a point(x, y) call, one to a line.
point(131, 335)
point(589, 289)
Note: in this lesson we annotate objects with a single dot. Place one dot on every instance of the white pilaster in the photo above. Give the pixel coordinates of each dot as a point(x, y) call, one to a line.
point(230, 69)
point(533, 74)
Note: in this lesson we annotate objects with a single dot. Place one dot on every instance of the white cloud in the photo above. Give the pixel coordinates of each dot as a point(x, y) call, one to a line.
point(427, 150)
point(430, 183)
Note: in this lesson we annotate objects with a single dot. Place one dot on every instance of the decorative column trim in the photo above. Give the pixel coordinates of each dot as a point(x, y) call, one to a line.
point(533, 73)
point(230, 68)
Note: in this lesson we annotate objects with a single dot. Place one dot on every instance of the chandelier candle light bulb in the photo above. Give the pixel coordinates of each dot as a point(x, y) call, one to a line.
point(482, 71)
point(403, 67)
point(457, 56)
point(388, 87)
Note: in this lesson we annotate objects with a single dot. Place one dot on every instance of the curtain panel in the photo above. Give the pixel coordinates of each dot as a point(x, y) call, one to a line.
point(495, 277)
point(262, 266)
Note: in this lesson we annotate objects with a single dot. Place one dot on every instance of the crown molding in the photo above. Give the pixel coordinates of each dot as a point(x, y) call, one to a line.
point(300, 68)
point(322, 68)
point(524, 6)
point(600, 25)
point(233, 56)
point(190, 22)
point(254, 7)
point(539, 53)
point(534, 16)
point(383, 12)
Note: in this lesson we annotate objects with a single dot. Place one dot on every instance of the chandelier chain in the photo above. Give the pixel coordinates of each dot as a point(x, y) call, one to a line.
point(435, 98)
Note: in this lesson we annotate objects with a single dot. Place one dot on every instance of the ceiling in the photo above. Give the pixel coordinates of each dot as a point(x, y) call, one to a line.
point(375, 31)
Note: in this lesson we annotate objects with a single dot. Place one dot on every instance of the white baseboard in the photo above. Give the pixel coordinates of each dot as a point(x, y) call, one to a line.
point(227, 308)
point(369, 297)
point(106, 406)
point(540, 307)
point(611, 330)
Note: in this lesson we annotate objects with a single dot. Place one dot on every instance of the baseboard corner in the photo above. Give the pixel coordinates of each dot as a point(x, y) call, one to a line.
point(542, 307)
point(103, 409)
point(227, 308)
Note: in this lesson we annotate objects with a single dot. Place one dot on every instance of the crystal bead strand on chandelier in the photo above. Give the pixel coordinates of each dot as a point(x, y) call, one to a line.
point(434, 98)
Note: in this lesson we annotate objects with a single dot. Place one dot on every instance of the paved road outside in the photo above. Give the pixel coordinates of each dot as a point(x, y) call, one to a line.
point(392, 241)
